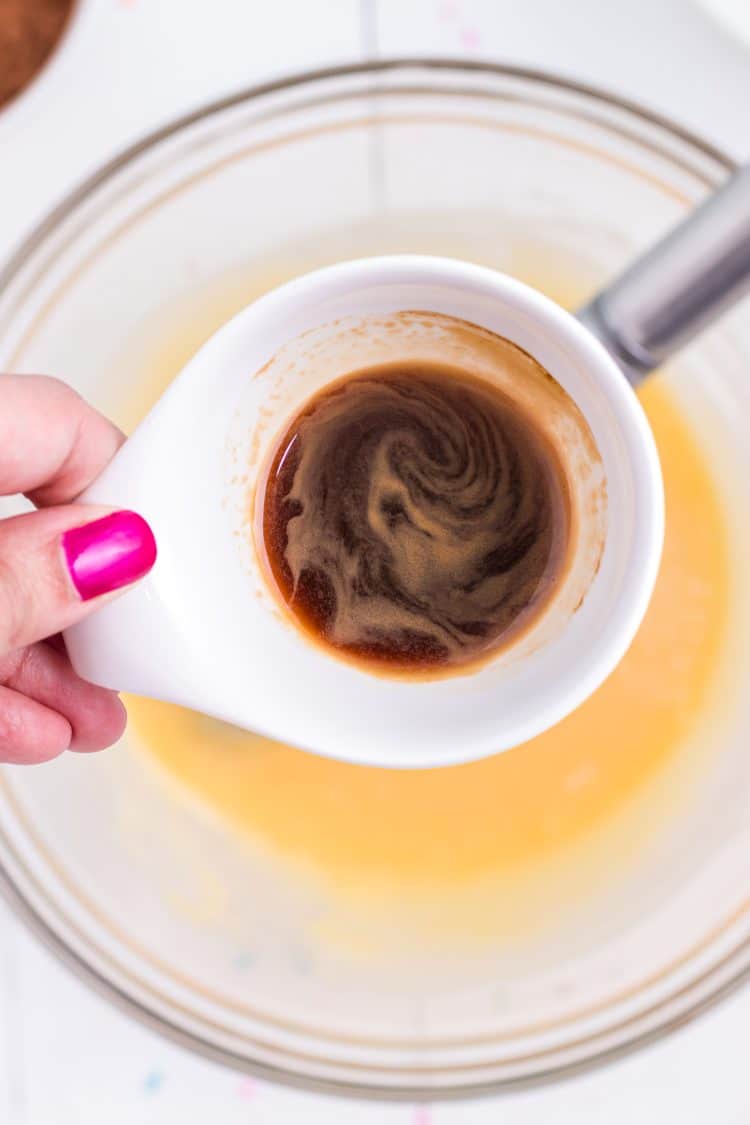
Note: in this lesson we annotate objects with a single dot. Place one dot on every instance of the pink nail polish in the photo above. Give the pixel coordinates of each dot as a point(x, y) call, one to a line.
point(109, 553)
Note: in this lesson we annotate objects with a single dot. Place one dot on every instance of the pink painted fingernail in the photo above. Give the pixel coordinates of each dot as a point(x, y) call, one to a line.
point(109, 553)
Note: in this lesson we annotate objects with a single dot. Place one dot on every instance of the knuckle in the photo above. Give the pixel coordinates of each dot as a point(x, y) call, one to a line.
point(11, 613)
point(11, 727)
point(22, 668)
point(54, 387)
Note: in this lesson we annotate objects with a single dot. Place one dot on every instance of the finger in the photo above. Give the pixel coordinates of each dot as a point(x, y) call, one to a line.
point(56, 565)
point(52, 443)
point(96, 716)
point(29, 731)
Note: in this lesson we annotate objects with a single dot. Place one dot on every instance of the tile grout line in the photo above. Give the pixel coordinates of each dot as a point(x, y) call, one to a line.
point(368, 22)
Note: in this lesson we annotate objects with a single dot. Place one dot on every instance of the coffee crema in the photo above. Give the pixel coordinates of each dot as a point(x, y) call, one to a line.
point(414, 518)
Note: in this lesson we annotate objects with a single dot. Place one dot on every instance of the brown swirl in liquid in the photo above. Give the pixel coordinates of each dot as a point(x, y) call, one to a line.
point(414, 518)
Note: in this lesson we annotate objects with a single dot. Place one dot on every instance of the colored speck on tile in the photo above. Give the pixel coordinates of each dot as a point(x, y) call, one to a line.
point(470, 38)
point(246, 1089)
point(447, 10)
point(422, 1115)
point(153, 1082)
point(301, 962)
point(243, 961)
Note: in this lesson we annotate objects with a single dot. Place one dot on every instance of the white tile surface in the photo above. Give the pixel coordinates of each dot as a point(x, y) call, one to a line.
point(733, 15)
point(668, 54)
point(66, 1056)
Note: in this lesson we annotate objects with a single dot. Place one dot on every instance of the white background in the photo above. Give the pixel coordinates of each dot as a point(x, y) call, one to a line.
point(65, 1055)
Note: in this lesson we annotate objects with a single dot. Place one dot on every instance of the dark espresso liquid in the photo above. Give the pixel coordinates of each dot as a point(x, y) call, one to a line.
point(414, 518)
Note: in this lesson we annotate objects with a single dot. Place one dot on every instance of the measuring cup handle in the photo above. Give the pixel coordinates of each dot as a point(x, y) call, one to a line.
point(675, 290)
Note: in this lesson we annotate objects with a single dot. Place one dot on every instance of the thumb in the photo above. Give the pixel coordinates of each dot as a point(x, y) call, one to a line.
point(56, 565)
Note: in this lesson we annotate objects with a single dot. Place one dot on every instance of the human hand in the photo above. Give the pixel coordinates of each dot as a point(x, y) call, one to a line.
point(56, 565)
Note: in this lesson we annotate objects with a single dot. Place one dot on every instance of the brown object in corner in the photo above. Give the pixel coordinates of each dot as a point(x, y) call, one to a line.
point(29, 32)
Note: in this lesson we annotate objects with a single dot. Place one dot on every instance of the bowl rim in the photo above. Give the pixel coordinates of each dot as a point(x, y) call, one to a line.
point(15, 260)
point(14, 264)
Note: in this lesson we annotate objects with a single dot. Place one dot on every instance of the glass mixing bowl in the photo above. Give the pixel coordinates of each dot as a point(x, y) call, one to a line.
point(199, 932)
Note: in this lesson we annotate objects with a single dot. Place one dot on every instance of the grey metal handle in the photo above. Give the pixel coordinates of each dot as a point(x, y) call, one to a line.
point(680, 286)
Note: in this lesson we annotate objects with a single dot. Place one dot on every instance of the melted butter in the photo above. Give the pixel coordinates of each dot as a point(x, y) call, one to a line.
point(498, 817)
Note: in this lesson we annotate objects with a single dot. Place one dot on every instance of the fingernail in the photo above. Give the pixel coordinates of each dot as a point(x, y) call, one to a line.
point(109, 553)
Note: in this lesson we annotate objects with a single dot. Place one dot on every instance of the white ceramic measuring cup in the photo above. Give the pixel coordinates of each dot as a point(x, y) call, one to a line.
point(203, 629)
